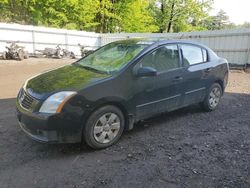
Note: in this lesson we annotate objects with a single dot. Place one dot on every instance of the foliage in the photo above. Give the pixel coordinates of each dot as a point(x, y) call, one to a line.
point(219, 21)
point(180, 15)
point(105, 16)
point(135, 16)
point(4, 13)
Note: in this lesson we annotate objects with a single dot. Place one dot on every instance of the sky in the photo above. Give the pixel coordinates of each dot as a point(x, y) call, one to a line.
point(237, 10)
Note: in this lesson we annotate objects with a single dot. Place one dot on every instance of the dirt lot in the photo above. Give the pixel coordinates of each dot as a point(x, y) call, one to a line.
point(186, 148)
point(14, 73)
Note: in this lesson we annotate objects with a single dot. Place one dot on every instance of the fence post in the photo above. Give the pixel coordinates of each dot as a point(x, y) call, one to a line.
point(100, 38)
point(248, 52)
point(66, 41)
point(33, 42)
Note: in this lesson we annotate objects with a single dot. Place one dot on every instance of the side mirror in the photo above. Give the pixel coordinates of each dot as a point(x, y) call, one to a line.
point(146, 72)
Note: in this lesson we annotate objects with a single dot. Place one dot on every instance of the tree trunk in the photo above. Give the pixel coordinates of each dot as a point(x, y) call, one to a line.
point(99, 20)
point(162, 12)
point(171, 17)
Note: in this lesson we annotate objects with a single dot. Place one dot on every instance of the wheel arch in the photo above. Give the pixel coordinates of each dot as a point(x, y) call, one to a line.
point(113, 102)
point(221, 83)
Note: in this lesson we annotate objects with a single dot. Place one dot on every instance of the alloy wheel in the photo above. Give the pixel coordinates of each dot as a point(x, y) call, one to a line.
point(214, 97)
point(106, 128)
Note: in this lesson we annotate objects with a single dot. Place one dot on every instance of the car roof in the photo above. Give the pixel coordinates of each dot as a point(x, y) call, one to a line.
point(164, 41)
point(153, 42)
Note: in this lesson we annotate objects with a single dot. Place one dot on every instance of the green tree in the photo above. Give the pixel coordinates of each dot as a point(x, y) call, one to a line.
point(180, 15)
point(134, 16)
point(103, 15)
point(245, 25)
point(15, 11)
point(219, 21)
point(85, 14)
point(116, 15)
point(4, 12)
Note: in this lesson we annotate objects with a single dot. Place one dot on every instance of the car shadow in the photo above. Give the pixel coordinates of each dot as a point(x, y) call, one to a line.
point(14, 141)
point(167, 116)
point(228, 100)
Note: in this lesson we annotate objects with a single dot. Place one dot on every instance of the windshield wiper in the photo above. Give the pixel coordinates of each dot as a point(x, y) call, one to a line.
point(93, 69)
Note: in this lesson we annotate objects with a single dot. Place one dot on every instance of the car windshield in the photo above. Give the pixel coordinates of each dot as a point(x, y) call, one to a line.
point(112, 57)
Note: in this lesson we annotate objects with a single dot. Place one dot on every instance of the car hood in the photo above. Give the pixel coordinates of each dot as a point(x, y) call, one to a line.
point(70, 77)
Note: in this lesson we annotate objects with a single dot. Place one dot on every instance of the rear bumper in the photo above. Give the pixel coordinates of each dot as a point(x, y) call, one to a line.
point(47, 128)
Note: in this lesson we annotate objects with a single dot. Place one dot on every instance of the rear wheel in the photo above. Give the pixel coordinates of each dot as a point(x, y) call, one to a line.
point(72, 55)
point(104, 127)
point(26, 55)
point(213, 97)
point(59, 54)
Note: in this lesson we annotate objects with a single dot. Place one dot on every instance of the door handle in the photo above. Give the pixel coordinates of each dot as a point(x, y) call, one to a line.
point(178, 78)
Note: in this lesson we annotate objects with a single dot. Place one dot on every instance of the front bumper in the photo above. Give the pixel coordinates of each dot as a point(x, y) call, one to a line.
point(47, 128)
point(39, 135)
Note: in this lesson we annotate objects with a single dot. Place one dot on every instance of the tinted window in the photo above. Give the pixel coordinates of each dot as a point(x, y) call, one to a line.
point(163, 59)
point(192, 54)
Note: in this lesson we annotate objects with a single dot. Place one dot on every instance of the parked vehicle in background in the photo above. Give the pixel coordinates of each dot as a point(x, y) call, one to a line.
point(85, 50)
point(57, 52)
point(15, 51)
point(98, 97)
point(68, 54)
point(52, 52)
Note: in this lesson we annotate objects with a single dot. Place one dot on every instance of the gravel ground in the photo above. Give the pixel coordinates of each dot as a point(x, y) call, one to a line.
point(185, 148)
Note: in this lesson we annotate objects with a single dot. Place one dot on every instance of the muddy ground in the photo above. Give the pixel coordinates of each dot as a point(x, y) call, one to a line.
point(185, 148)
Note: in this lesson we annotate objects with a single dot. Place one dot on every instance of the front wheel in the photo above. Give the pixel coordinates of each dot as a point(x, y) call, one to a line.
point(104, 127)
point(213, 97)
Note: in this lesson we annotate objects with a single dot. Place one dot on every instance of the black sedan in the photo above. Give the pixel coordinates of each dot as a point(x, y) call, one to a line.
point(98, 97)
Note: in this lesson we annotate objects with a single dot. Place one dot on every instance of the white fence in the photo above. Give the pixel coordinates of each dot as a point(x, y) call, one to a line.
point(37, 38)
point(233, 45)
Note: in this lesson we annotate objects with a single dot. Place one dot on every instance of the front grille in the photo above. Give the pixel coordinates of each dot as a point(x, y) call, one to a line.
point(26, 100)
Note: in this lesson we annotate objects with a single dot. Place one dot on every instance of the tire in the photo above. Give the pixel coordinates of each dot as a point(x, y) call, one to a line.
point(104, 127)
point(26, 55)
point(59, 54)
point(72, 55)
point(212, 98)
point(20, 55)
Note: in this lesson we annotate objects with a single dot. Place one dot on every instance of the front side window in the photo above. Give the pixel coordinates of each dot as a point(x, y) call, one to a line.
point(192, 54)
point(112, 57)
point(164, 58)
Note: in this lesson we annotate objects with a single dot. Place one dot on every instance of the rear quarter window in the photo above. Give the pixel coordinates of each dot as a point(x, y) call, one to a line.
point(205, 56)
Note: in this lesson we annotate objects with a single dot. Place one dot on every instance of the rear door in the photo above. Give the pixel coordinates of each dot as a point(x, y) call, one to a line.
point(162, 92)
point(197, 73)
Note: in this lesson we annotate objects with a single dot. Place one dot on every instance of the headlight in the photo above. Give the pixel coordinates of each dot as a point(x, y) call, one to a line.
point(55, 102)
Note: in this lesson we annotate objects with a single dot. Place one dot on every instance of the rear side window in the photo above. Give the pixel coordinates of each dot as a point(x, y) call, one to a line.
point(193, 54)
point(162, 59)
